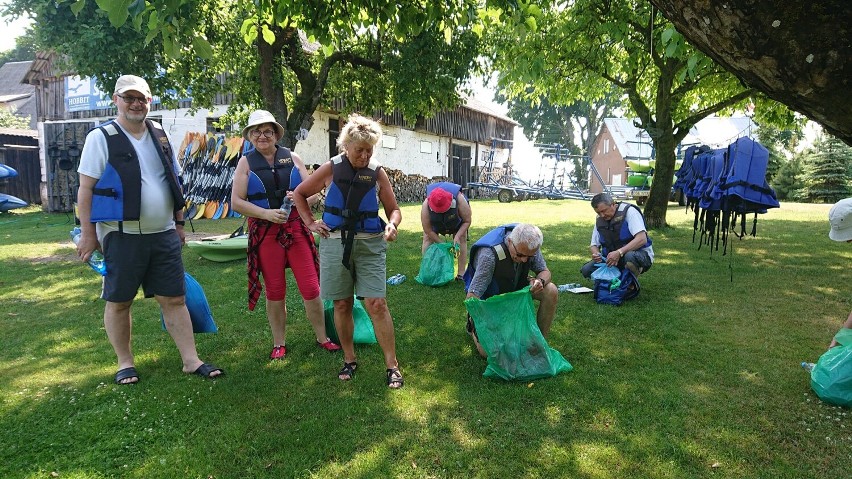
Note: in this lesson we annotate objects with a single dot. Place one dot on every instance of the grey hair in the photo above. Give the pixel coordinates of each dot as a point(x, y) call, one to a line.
point(599, 198)
point(528, 235)
point(359, 128)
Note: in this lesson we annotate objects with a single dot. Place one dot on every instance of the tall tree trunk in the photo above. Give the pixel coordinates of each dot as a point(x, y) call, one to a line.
point(271, 86)
point(658, 201)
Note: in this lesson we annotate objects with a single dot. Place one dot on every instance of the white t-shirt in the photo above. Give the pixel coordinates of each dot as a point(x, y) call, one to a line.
point(635, 224)
point(157, 208)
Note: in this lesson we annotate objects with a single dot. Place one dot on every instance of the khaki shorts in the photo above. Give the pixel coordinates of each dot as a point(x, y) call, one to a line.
point(368, 261)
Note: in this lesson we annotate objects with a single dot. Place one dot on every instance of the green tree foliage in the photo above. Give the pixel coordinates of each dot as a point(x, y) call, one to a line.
point(787, 181)
point(24, 50)
point(826, 171)
point(585, 47)
point(8, 119)
point(288, 57)
point(781, 144)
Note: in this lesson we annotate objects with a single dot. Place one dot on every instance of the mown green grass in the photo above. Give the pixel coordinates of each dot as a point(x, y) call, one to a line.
point(697, 377)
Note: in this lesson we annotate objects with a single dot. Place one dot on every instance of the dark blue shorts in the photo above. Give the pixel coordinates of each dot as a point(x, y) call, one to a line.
point(152, 260)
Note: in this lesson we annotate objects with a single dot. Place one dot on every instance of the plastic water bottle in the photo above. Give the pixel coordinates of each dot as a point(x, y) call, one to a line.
point(564, 288)
point(808, 366)
point(396, 279)
point(96, 260)
point(286, 206)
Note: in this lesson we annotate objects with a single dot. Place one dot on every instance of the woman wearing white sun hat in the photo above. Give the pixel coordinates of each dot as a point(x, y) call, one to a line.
point(264, 181)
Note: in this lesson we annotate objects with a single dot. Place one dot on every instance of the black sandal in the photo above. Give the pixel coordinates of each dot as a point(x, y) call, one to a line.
point(394, 378)
point(347, 370)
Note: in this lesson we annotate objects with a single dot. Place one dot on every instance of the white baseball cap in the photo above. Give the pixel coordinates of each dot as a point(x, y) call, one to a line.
point(840, 219)
point(259, 117)
point(127, 83)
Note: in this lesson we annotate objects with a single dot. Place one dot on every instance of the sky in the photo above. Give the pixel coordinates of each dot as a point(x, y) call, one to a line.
point(13, 30)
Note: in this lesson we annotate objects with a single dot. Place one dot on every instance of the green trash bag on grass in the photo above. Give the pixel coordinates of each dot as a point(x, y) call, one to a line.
point(363, 334)
point(438, 266)
point(831, 377)
point(507, 330)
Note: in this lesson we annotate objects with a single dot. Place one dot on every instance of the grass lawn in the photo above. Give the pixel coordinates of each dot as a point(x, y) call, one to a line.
point(697, 377)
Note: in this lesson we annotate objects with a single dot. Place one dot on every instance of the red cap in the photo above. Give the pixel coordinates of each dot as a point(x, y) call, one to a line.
point(440, 200)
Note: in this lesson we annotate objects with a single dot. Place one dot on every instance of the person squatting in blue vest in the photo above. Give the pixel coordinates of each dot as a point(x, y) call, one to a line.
point(130, 205)
point(446, 211)
point(354, 238)
point(263, 181)
point(619, 237)
point(507, 259)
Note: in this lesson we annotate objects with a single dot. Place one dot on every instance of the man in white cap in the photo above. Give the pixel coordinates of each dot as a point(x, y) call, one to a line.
point(446, 211)
point(840, 219)
point(130, 204)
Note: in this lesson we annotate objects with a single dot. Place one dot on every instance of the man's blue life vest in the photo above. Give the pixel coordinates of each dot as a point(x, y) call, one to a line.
point(508, 275)
point(449, 221)
point(614, 233)
point(268, 185)
point(117, 195)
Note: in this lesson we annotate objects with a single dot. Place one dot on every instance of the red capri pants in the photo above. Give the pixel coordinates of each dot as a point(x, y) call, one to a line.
point(283, 246)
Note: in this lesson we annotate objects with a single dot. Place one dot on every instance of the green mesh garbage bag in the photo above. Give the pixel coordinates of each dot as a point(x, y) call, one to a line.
point(831, 378)
point(506, 328)
point(363, 334)
point(438, 266)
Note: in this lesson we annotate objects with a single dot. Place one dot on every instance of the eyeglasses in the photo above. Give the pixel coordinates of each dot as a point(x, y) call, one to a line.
point(517, 254)
point(266, 133)
point(134, 99)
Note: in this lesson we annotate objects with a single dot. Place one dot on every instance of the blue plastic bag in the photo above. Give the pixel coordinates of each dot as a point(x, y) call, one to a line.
point(605, 273)
point(831, 378)
point(507, 330)
point(199, 309)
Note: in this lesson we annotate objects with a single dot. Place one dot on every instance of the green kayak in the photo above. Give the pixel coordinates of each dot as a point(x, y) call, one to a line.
point(221, 250)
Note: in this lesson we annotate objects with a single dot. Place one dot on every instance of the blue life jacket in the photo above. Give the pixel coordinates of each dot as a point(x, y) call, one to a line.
point(351, 203)
point(614, 233)
point(268, 185)
point(449, 221)
point(117, 195)
point(506, 278)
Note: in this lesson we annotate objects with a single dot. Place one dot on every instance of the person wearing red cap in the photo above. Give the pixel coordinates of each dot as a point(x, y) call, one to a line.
point(446, 212)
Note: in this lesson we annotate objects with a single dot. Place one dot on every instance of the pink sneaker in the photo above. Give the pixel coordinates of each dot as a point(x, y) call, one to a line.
point(328, 345)
point(278, 352)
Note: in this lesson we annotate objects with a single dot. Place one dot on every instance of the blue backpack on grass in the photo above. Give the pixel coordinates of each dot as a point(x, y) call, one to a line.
point(614, 286)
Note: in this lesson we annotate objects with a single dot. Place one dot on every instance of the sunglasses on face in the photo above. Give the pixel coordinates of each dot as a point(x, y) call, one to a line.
point(129, 99)
point(518, 254)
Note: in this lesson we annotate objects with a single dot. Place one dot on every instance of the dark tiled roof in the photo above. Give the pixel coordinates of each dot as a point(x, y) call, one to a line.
point(11, 75)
